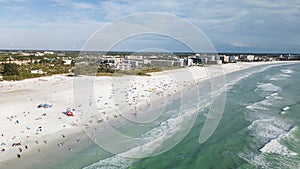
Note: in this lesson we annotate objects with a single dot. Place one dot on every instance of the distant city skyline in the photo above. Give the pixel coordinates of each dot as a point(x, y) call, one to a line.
point(270, 26)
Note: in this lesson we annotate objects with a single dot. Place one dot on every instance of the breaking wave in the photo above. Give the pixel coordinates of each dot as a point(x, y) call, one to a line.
point(274, 145)
point(156, 137)
point(285, 74)
point(268, 127)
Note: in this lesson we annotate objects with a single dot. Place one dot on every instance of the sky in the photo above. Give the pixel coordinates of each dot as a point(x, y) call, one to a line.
point(231, 25)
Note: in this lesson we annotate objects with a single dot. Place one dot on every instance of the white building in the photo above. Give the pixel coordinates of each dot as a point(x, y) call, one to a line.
point(67, 61)
point(39, 54)
point(147, 61)
point(123, 66)
point(49, 53)
point(250, 57)
point(190, 62)
point(181, 62)
point(39, 72)
point(134, 63)
point(226, 59)
point(134, 57)
point(162, 63)
point(25, 54)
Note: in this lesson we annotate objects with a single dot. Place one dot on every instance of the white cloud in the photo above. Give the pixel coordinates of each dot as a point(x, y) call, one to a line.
point(274, 3)
point(288, 10)
point(215, 15)
point(76, 5)
point(19, 0)
point(242, 44)
point(13, 1)
point(233, 22)
point(46, 35)
point(144, 24)
point(115, 9)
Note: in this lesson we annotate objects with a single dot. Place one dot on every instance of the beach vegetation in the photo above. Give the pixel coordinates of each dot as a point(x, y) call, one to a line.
point(104, 68)
point(10, 69)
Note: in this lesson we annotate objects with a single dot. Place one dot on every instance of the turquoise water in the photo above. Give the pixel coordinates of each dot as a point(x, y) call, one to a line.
point(262, 113)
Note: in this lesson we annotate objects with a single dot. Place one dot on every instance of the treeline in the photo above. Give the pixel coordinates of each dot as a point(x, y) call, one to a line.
point(6, 57)
point(12, 71)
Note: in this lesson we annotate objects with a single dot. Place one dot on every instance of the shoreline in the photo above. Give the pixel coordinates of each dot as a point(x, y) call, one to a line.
point(70, 132)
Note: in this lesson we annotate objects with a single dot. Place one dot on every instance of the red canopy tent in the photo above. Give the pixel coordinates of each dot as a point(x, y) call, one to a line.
point(69, 113)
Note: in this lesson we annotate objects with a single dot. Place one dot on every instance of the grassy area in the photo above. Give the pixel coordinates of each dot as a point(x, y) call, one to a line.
point(145, 71)
point(105, 74)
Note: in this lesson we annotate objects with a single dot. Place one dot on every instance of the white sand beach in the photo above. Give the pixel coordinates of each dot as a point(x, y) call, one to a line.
point(25, 128)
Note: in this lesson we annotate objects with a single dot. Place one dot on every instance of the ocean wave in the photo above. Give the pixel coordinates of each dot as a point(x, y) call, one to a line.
point(254, 159)
point(266, 129)
point(155, 138)
point(266, 89)
point(264, 104)
point(256, 106)
point(269, 87)
point(114, 162)
point(232, 82)
point(273, 96)
point(275, 147)
point(286, 108)
point(279, 77)
point(267, 132)
point(287, 71)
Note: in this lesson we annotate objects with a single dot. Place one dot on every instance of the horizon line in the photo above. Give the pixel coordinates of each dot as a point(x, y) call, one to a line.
point(127, 51)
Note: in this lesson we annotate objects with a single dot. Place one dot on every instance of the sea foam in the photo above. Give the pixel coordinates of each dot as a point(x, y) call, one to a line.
point(268, 87)
point(274, 146)
point(287, 71)
point(155, 138)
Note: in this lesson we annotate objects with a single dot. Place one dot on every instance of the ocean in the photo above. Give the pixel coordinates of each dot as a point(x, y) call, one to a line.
point(260, 128)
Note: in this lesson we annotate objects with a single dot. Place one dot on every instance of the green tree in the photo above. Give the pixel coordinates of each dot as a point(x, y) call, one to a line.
point(105, 69)
point(1, 68)
point(10, 69)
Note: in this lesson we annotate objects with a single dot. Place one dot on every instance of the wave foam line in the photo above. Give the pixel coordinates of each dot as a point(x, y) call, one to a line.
point(274, 146)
